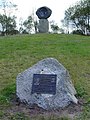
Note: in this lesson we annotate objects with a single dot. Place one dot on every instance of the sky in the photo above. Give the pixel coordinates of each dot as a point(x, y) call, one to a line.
point(27, 7)
point(58, 7)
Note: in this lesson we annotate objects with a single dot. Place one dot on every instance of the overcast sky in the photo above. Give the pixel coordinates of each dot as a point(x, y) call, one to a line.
point(27, 7)
point(58, 7)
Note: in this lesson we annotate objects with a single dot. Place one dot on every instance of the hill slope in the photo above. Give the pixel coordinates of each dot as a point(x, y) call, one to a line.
point(18, 53)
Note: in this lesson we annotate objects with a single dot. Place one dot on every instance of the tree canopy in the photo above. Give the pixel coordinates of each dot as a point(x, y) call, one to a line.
point(28, 24)
point(7, 21)
point(79, 16)
point(8, 24)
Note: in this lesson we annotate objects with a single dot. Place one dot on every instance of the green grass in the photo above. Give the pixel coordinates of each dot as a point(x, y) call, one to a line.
point(18, 53)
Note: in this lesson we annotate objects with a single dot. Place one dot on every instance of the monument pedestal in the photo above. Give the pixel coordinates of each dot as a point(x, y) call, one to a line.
point(43, 26)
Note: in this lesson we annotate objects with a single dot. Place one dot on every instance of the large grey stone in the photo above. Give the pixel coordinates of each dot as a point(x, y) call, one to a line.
point(43, 26)
point(65, 91)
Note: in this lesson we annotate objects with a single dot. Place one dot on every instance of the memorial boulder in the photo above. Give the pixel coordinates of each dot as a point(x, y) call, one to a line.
point(46, 84)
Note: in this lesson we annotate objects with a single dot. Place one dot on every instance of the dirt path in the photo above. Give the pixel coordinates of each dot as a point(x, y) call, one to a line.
point(70, 111)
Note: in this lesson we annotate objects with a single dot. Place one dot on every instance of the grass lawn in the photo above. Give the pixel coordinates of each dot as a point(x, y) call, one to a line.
point(20, 52)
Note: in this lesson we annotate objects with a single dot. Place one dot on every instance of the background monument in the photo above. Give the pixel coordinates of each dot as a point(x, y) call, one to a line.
point(43, 14)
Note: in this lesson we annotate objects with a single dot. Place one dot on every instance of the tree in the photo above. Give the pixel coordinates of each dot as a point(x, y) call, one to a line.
point(8, 24)
point(35, 22)
point(7, 7)
point(36, 26)
point(3, 22)
point(7, 21)
point(61, 30)
point(11, 25)
point(54, 27)
point(21, 25)
point(28, 24)
point(79, 15)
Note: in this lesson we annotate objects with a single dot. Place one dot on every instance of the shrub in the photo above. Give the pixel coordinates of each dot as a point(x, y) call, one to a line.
point(78, 32)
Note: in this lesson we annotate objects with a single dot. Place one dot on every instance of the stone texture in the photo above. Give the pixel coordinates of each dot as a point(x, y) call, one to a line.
point(64, 89)
point(43, 26)
point(43, 12)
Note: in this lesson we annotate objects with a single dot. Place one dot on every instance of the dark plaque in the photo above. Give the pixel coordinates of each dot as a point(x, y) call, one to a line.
point(44, 84)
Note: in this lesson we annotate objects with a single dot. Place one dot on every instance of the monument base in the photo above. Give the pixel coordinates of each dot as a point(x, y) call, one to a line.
point(43, 26)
